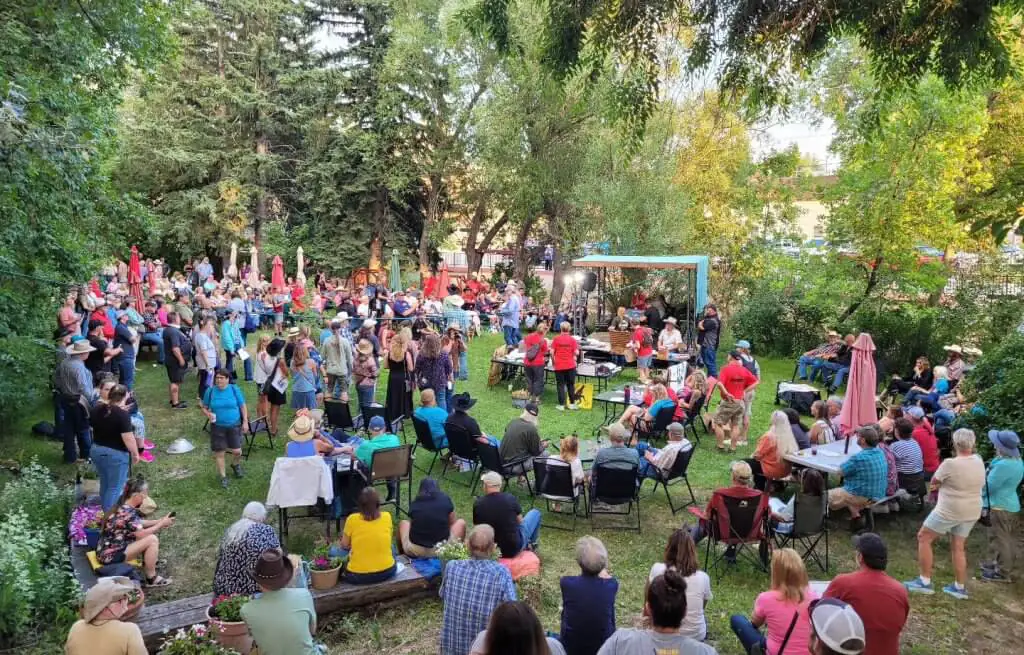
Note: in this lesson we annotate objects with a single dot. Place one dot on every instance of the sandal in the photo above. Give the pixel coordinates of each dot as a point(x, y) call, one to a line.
point(157, 581)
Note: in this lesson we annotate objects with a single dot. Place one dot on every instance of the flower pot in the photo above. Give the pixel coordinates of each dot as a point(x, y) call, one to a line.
point(92, 538)
point(325, 579)
point(134, 608)
point(230, 634)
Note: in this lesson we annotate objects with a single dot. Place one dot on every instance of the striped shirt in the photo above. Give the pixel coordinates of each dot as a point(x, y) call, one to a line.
point(908, 456)
point(74, 379)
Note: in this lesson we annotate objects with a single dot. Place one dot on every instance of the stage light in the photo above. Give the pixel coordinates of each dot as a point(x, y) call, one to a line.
point(578, 276)
point(567, 278)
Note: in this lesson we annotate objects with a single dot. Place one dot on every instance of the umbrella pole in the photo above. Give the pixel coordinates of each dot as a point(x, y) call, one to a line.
point(846, 447)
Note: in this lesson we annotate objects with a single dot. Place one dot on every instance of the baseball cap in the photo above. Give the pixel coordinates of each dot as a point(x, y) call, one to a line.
point(872, 549)
point(492, 479)
point(838, 626)
point(531, 407)
point(743, 343)
point(915, 412)
point(377, 423)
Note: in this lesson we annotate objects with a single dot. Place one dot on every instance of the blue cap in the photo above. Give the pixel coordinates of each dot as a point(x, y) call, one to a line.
point(915, 412)
point(743, 343)
point(377, 423)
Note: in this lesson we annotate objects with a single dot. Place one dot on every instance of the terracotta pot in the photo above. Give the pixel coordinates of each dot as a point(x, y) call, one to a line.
point(325, 579)
point(230, 634)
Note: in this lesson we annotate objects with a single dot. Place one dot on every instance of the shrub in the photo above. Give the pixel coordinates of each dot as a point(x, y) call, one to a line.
point(999, 381)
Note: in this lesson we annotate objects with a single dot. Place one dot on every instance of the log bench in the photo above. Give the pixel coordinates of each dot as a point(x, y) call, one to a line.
point(159, 620)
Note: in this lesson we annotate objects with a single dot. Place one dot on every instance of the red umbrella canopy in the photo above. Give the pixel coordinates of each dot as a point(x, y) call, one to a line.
point(277, 274)
point(859, 405)
point(135, 278)
point(442, 281)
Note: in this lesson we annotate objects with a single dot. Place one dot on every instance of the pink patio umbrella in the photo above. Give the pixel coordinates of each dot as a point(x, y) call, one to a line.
point(135, 279)
point(277, 275)
point(441, 291)
point(859, 405)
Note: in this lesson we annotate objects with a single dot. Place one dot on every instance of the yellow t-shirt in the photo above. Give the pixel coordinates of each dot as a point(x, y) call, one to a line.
point(370, 543)
point(107, 638)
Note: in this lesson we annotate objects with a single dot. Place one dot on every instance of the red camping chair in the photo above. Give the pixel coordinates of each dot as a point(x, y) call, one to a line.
point(736, 518)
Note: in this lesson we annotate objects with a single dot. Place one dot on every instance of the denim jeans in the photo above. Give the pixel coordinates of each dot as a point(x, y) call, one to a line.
point(156, 338)
point(441, 397)
point(804, 362)
point(747, 633)
point(944, 418)
point(112, 466)
point(709, 356)
point(463, 365)
point(838, 370)
point(77, 437)
point(647, 469)
point(365, 395)
point(126, 370)
point(529, 529)
point(512, 337)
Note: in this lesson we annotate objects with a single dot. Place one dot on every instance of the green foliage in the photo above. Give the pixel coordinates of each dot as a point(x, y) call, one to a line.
point(533, 288)
point(999, 381)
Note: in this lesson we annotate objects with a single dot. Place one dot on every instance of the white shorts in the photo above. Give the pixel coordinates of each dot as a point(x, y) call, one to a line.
point(748, 403)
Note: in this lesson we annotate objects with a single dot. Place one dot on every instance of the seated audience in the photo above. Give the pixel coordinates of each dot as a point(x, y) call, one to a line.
point(835, 629)
point(773, 446)
point(433, 416)
point(812, 484)
point(302, 441)
point(924, 435)
point(514, 629)
point(367, 537)
point(865, 476)
point(921, 377)
point(1001, 500)
point(742, 482)
point(240, 549)
point(377, 439)
point(100, 630)
point(126, 536)
point(569, 452)
point(835, 408)
point(282, 618)
point(821, 431)
point(881, 602)
point(616, 455)
point(928, 398)
point(909, 460)
point(960, 481)
point(471, 590)
point(588, 600)
point(800, 431)
point(838, 365)
point(954, 363)
point(460, 417)
point(814, 356)
point(665, 606)
point(513, 531)
point(431, 521)
point(653, 459)
point(887, 424)
point(522, 440)
point(659, 400)
point(694, 393)
point(681, 557)
point(783, 610)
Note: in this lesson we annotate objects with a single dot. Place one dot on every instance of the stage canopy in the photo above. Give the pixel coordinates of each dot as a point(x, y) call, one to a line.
point(697, 263)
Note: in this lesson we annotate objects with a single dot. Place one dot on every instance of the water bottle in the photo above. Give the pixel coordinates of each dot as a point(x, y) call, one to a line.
point(628, 392)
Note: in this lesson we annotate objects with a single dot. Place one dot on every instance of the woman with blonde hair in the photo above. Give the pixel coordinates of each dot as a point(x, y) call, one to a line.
point(569, 452)
point(695, 391)
point(929, 398)
point(769, 460)
point(659, 400)
point(304, 374)
point(783, 610)
point(398, 401)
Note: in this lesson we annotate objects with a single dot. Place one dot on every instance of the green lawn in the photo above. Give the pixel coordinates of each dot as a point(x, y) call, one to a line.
point(187, 484)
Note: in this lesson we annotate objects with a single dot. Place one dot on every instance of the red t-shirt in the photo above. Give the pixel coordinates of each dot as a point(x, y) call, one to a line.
point(924, 435)
point(530, 340)
point(638, 337)
point(735, 378)
point(563, 352)
point(880, 601)
point(100, 314)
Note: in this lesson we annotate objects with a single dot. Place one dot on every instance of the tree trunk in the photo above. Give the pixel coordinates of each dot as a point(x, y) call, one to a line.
point(262, 148)
point(871, 284)
point(522, 255)
point(431, 219)
point(558, 271)
point(377, 242)
point(475, 250)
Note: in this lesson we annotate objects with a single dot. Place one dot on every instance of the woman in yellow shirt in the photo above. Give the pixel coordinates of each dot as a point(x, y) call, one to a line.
point(367, 537)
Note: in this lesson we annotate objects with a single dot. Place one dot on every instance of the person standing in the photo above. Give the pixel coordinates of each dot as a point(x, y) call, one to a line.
point(511, 315)
point(733, 384)
point(564, 353)
point(206, 354)
point(535, 360)
point(114, 447)
point(433, 369)
point(642, 341)
point(1003, 504)
point(177, 353)
point(224, 406)
point(708, 330)
point(337, 351)
point(76, 392)
point(124, 342)
point(231, 342)
point(398, 401)
point(749, 363)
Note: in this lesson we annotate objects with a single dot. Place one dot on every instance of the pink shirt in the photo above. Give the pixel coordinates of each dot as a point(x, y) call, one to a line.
point(778, 614)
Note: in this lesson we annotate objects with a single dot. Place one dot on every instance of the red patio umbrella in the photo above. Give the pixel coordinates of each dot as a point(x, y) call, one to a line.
point(859, 405)
point(135, 279)
point(277, 275)
point(442, 282)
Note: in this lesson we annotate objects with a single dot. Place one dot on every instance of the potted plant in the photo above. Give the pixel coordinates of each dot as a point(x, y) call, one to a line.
point(197, 640)
point(93, 528)
point(448, 551)
point(324, 568)
point(136, 600)
point(226, 624)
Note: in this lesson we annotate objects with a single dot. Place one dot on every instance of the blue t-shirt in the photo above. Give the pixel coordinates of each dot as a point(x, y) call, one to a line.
point(657, 407)
point(942, 386)
point(226, 404)
point(300, 449)
point(435, 418)
point(304, 379)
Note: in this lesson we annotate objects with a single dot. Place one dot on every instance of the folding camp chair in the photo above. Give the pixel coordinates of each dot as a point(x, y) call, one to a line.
point(737, 519)
point(554, 483)
point(461, 444)
point(490, 459)
point(916, 487)
point(393, 464)
point(693, 416)
point(809, 528)
point(614, 487)
point(425, 440)
point(257, 426)
point(651, 431)
point(367, 412)
point(676, 474)
point(338, 415)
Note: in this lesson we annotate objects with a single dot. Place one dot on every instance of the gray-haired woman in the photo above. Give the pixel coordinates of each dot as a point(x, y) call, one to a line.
point(588, 599)
point(240, 549)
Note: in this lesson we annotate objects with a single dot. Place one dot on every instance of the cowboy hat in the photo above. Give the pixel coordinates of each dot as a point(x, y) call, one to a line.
point(672, 320)
point(832, 333)
point(180, 447)
point(972, 351)
point(273, 570)
point(342, 316)
point(364, 347)
point(80, 348)
point(293, 332)
point(954, 348)
point(302, 429)
point(105, 592)
point(369, 323)
point(455, 326)
point(463, 401)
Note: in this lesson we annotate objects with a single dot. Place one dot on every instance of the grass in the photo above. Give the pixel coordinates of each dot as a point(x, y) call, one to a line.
point(187, 483)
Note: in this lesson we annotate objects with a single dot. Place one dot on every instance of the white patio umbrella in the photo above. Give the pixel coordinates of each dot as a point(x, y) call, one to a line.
point(300, 275)
point(233, 267)
point(254, 269)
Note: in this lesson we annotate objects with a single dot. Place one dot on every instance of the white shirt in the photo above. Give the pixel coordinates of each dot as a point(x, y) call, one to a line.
point(698, 592)
point(670, 340)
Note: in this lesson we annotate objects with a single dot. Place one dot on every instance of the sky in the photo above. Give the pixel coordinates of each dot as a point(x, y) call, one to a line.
point(812, 140)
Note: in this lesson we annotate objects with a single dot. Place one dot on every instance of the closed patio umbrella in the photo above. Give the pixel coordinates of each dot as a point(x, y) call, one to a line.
point(233, 266)
point(442, 281)
point(300, 275)
point(254, 269)
point(277, 274)
point(395, 275)
point(859, 405)
point(135, 278)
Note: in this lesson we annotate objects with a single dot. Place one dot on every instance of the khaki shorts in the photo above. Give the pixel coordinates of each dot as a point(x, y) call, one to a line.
point(415, 550)
point(730, 413)
point(839, 498)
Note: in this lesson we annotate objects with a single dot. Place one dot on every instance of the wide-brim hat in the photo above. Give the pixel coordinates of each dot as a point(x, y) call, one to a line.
point(832, 333)
point(293, 332)
point(1004, 439)
point(275, 347)
point(302, 429)
point(463, 401)
point(454, 326)
point(369, 323)
point(342, 316)
point(180, 447)
point(80, 348)
point(273, 570)
point(672, 320)
point(106, 591)
point(954, 348)
point(364, 347)
point(972, 351)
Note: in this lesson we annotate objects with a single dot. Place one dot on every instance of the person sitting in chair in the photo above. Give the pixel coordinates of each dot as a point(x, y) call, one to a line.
point(522, 440)
point(655, 460)
point(814, 356)
point(838, 364)
point(659, 400)
point(865, 476)
point(811, 484)
point(433, 416)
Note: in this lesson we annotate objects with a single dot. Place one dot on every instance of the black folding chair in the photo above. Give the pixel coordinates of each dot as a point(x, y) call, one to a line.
point(367, 412)
point(614, 487)
point(738, 521)
point(393, 464)
point(338, 415)
point(461, 444)
point(693, 416)
point(675, 475)
point(425, 440)
point(257, 426)
point(554, 483)
point(809, 528)
point(651, 431)
point(916, 487)
point(490, 460)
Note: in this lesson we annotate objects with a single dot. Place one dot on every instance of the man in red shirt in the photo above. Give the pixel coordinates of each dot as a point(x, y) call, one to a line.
point(642, 341)
point(880, 601)
point(537, 346)
point(924, 435)
point(734, 380)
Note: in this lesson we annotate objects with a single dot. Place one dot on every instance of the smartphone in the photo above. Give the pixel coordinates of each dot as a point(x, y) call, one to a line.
point(172, 514)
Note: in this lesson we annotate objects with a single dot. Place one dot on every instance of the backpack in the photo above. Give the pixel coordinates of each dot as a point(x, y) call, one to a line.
point(647, 341)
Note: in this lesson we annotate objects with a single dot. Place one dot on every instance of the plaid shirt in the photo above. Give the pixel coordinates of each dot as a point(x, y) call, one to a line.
point(471, 589)
point(826, 349)
point(866, 474)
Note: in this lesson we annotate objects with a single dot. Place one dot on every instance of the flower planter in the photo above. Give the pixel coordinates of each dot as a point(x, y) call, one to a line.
point(325, 579)
point(230, 634)
point(92, 538)
point(134, 608)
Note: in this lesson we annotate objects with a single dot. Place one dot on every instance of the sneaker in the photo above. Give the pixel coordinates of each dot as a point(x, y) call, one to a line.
point(989, 575)
point(987, 566)
point(574, 406)
point(560, 408)
point(224, 482)
point(237, 470)
point(181, 405)
point(960, 593)
point(918, 586)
